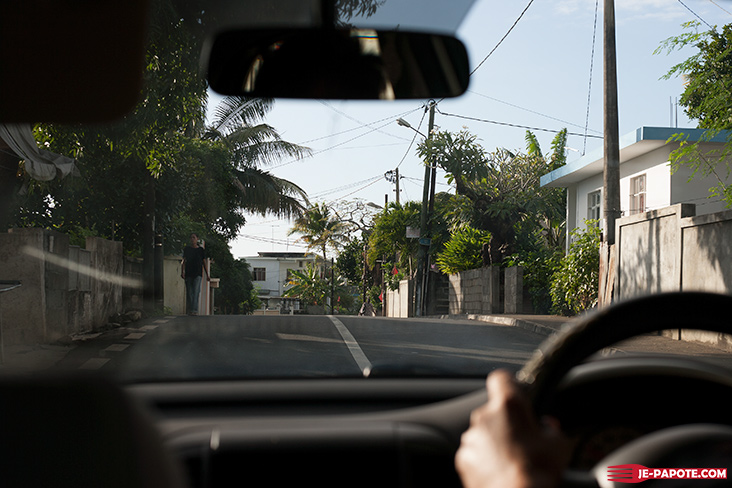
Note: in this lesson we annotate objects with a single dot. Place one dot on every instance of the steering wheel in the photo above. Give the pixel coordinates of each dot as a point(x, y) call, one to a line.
point(669, 448)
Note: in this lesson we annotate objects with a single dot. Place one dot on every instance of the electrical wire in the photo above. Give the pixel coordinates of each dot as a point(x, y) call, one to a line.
point(513, 125)
point(353, 119)
point(579, 126)
point(414, 138)
point(345, 187)
point(390, 118)
point(696, 15)
point(715, 3)
point(503, 38)
point(592, 66)
point(356, 191)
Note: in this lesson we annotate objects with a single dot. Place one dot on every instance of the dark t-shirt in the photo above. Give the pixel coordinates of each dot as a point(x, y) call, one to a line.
point(194, 257)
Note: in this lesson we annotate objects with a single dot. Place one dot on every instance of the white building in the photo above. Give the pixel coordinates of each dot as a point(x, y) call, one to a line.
point(646, 181)
point(271, 272)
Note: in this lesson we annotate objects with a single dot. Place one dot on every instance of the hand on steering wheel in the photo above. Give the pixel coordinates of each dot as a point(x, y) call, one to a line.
point(507, 431)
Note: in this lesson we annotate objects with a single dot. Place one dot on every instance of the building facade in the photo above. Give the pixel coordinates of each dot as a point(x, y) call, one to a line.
point(646, 178)
point(271, 273)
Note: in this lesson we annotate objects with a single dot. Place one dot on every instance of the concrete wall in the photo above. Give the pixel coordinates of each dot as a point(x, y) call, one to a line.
point(65, 289)
point(174, 292)
point(648, 248)
point(24, 308)
point(673, 250)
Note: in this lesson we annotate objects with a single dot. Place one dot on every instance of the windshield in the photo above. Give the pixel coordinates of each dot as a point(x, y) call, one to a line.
point(205, 236)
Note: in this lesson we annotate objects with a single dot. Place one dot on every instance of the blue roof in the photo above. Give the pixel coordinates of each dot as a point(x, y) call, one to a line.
point(657, 136)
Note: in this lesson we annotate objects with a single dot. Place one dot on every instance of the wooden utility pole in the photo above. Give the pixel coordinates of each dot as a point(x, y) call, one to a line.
point(611, 170)
point(396, 172)
point(611, 173)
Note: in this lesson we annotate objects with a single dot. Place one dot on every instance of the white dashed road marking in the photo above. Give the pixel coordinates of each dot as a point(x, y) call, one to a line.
point(117, 347)
point(149, 327)
point(135, 335)
point(361, 360)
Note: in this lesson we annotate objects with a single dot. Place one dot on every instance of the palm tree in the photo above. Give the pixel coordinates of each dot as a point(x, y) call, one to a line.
point(320, 228)
point(238, 125)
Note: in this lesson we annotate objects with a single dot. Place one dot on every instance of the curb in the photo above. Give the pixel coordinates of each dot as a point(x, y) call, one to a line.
point(531, 326)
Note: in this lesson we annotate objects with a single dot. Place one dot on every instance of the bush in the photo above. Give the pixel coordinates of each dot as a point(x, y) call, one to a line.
point(574, 283)
point(539, 268)
point(463, 250)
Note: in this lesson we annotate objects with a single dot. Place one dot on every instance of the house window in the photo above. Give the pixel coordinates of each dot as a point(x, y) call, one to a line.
point(638, 194)
point(593, 205)
point(259, 274)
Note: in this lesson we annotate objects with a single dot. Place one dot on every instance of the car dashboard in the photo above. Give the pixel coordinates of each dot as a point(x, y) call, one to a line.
point(369, 432)
point(405, 432)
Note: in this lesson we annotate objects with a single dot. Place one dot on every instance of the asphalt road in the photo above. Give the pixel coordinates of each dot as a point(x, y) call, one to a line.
point(301, 346)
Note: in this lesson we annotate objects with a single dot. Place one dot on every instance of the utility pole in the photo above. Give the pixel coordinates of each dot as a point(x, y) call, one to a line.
point(611, 173)
point(396, 171)
point(424, 241)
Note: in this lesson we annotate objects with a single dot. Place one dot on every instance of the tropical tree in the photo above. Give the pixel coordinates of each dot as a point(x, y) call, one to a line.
point(320, 228)
point(252, 144)
point(160, 169)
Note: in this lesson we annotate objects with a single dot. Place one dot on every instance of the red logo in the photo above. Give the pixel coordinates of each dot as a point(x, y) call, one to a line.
point(636, 473)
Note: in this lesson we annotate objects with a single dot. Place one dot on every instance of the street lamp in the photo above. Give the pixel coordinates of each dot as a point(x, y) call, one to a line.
point(422, 284)
point(406, 124)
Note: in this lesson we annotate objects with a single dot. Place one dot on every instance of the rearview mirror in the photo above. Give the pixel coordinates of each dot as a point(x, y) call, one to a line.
point(337, 63)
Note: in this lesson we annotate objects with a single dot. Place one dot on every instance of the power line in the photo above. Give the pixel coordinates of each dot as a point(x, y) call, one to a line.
point(356, 191)
point(416, 132)
point(592, 66)
point(362, 124)
point(503, 38)
point(392, 117)
point(695, 14)
point(531, 111)
point(514, 125)
point(715, 3)
point(345, 187)
point(272, 241)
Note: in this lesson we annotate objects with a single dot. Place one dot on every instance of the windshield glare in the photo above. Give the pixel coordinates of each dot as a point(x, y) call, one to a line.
point(204, 236)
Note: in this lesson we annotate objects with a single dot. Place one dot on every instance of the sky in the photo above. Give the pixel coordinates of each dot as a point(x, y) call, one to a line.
point(541, 76)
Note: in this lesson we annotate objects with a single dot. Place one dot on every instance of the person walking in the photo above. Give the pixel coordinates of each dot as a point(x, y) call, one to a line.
point(192, 270)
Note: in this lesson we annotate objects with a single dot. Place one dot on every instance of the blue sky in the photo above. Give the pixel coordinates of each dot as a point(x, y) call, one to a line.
point(538, 77)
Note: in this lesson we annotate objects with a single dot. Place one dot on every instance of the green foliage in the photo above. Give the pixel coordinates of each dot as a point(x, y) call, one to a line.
point(308, 285)
point(312, 288)
point(236, 294)
point(351, 260)
point(160, 163)
point(496, 190)
point(388, 240)
point(575, 282)
point(463, 251)
point(708, 76)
